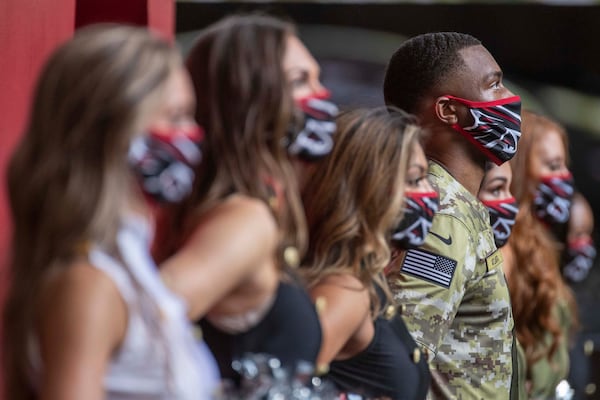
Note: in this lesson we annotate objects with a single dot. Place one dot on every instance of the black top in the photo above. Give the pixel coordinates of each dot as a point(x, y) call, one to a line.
point(290, 331)
point(388, 367)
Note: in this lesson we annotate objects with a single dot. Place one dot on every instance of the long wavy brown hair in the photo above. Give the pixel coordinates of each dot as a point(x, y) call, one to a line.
point(355, 197)
point(535, 282)
point(246, 106)
point(68, 180)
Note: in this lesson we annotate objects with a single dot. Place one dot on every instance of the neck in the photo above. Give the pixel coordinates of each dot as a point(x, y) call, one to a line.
point(459, 157)
point(137, 204)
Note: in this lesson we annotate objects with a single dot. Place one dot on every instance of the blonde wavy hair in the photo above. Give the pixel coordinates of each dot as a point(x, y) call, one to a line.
point(68, 179)
point(355, 197)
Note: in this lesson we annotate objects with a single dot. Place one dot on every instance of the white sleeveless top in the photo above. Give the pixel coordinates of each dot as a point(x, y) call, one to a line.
point(159, 357)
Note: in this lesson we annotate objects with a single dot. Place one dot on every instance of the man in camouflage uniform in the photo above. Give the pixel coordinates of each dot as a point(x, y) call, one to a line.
point(452, 289)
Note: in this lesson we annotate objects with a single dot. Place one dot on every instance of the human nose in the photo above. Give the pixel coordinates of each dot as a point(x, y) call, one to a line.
point(425, 186)
point(317, 87)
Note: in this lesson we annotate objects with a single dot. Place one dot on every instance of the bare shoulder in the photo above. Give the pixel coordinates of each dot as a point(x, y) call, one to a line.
point(240, 216)
point(250, 209)
point(80, 280)
point(82, 300)
point(345, 281)
point(342, 291)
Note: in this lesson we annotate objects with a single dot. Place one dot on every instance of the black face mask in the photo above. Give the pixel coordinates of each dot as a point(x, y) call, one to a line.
point(502, 218)
point(496, 128)
point(314, 140)
point(553, 198)
point(580, 257)
point(416, 221)
point(163, 162)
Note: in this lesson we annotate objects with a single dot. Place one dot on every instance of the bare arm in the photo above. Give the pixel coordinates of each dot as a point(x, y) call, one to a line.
point(225, 248)
point(509, 259)
point(82, 319)
point(345, 320)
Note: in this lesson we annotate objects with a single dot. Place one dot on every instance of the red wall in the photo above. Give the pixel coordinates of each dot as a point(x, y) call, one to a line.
point(29, 31)
point(157, 14)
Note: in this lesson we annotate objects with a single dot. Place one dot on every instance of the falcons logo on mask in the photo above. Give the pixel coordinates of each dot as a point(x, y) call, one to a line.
point(416, 221)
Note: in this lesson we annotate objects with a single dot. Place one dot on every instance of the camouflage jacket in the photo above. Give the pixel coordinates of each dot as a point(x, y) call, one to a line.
point(455, 299)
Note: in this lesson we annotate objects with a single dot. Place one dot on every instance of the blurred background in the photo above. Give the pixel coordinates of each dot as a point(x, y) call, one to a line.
point(548, 50)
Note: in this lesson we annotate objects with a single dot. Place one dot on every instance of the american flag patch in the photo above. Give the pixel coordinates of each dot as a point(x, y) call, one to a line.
point(429, 266)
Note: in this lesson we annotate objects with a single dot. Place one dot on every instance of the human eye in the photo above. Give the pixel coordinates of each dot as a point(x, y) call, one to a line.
point(417, 181)
point(554, 166)
point(299, 80)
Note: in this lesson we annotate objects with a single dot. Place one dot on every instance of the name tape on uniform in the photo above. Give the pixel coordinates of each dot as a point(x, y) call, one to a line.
point(493, 260)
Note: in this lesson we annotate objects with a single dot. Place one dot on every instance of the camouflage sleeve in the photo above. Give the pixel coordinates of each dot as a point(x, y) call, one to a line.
point(432, 280)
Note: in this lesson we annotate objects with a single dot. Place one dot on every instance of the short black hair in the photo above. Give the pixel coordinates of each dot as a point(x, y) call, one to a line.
point(420, 63)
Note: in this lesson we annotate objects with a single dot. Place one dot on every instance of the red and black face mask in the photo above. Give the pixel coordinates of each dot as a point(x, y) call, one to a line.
point(314, 139)
point(580, 256)
point(417, 219)
point(553, 198)
point(496, 127)
point(502, 218)
point(163, 162)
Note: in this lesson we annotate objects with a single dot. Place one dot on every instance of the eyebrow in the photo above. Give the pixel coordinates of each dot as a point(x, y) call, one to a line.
point(498, 178)
point(304, 69)
point(555, 159)
point(421, 168)
point(493, 75)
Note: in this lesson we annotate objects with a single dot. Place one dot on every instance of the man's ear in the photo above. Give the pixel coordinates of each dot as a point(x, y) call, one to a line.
point(445, 110)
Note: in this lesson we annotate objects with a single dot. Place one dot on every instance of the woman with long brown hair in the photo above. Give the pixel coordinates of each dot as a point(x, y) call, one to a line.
point(87, 316)
point(227, 251)
point(544, 309)
point(353, 201)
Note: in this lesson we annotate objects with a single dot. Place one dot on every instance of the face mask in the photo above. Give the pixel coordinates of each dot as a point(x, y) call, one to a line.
point(163, 162)
point(416, 221)
point(502, 218)
point(579, 259)
point(315, 140)
point(496, 128)
point(553, 198)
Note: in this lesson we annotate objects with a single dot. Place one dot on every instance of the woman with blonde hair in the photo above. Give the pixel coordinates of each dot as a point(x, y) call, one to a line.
point(228, 251)
point(87, 316)
point(353, 202)
point(544, 309)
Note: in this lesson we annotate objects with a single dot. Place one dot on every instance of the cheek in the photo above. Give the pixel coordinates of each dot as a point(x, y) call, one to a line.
point(301, 92)
point(536, 168)
point(485, 195)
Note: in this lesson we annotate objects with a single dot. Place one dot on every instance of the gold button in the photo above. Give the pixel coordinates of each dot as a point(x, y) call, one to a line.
point(588, 347)
point(273, 202)
point(590, 389)
point(322, 369)
point(291, 256)
point(320, 304)
point(197, 331)
point(416, 356)
point(390, 311)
